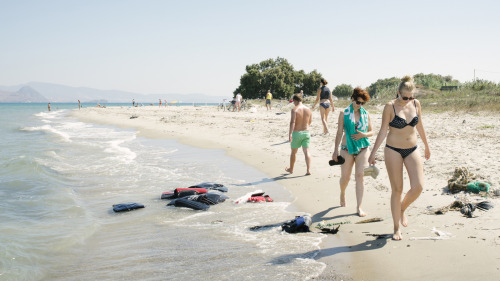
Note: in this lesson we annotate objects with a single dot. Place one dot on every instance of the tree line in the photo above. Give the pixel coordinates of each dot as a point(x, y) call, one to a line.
point(279, 76)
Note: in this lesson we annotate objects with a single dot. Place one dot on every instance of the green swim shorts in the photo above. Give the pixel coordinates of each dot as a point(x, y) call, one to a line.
point(302, 138)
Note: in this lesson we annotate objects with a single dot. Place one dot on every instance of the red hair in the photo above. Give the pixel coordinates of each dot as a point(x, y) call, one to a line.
point(360, 93)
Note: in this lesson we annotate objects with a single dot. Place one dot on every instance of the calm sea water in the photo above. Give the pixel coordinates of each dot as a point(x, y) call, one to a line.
point(60, 178)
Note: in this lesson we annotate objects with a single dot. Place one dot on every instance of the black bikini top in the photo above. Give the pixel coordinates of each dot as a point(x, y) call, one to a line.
point(400, 123)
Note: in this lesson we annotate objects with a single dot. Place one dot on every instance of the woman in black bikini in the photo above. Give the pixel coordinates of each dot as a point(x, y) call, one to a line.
point(401, 149)
point(325, 102)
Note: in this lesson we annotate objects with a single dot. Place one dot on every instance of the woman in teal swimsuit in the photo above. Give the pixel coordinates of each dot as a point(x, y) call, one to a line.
point(401, 150)
point(357, 125)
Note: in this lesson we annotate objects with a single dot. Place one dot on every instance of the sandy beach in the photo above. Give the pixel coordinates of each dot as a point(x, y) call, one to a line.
point(469, 251)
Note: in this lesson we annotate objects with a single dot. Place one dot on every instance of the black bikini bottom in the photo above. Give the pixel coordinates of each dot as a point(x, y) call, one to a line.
point(403, 151)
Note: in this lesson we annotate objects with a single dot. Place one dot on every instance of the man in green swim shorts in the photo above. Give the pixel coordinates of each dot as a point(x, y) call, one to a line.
point(299, 135)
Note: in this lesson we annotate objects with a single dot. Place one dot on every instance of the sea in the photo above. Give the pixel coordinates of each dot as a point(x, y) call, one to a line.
point(60, 177)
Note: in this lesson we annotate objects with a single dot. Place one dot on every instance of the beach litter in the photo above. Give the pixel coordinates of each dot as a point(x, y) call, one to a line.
point(464, 180)
point(465, 206)
point(332, 230)
point(329, 228)
point(485, 205)
point(324, 224)
point(456, 205)
point(370, 220)
point(467, 210)
point(441, 235)
point(133, 116)
point(478, 186)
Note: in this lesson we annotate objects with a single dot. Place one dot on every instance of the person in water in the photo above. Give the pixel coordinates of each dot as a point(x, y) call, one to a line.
point(325, 103)
point(354, 128)
point(401, 150)
point(299, 135)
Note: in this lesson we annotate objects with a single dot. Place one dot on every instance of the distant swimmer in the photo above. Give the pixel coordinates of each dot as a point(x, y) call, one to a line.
point(299, 135)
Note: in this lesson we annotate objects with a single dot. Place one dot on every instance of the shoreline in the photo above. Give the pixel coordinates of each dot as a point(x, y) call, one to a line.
point(259, 139)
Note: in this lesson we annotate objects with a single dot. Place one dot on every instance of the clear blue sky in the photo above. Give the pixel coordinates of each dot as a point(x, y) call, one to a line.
point(203, 46)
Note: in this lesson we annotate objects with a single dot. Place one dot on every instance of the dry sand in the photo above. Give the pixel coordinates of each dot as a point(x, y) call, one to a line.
point(259, 138)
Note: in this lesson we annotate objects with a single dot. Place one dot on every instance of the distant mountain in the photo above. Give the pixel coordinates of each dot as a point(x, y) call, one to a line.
point(48, 92)
point(25, 94)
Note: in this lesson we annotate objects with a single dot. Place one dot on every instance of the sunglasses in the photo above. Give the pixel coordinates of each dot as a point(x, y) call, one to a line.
point(407, 98)
point(359, 102)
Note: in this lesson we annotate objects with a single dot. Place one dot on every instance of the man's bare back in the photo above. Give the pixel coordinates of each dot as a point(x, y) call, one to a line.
point(299, 135)
point(302, 118)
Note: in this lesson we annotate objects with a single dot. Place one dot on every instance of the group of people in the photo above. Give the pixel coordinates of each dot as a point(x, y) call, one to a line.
point(159, 103)
point(401, 120)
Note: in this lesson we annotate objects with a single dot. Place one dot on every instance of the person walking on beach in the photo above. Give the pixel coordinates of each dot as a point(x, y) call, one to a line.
point(237, 103)
point(354, 128)
point(79, 105)
point(269, 97)
point(401, 150)
point(299, 135)
point(133, 102)
point(159, 104)
point(325, 99)
point(48, 106)
point(165, 103)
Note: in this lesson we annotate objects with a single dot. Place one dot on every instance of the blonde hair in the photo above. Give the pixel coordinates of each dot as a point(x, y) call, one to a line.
point(406, 84)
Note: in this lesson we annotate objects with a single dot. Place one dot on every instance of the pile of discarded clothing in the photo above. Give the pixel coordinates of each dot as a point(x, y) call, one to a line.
point(254, 197)
point(197, 197)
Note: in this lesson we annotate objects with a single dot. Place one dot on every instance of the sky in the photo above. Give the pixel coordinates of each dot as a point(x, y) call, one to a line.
point(184, 47)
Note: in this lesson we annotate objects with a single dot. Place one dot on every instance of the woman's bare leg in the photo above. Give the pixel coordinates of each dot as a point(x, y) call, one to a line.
point(413, 164)
point(394, 165)
point(345, 174)
point(327, 111)
point(361, 162)
point(323, 120)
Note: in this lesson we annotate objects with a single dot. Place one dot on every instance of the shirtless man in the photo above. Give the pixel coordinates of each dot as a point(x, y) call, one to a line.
point(299, 135)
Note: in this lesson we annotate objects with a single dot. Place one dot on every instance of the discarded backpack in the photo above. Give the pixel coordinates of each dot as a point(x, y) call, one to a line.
point(299, 224)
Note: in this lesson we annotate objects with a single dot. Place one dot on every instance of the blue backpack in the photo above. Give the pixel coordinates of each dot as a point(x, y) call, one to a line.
point(299, 224)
